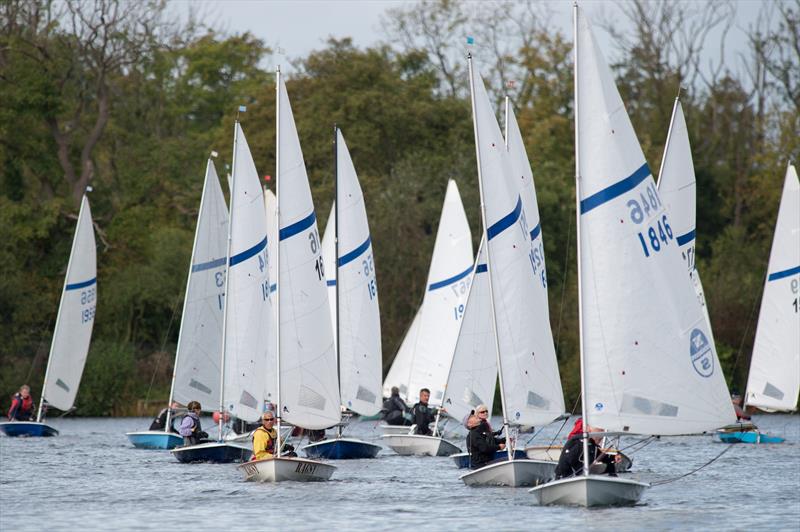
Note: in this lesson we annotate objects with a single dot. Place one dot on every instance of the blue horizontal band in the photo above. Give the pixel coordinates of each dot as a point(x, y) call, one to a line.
point(481, 268)
point(203, 266)
point(615, 190)
point(451, 280)
point(246, 254)
point(536, 231)
point(685, 239)
point(353, 255)
point(84, 284)
point(297, 227)
point(785, 273)
point(332, 282)
point(505, 222)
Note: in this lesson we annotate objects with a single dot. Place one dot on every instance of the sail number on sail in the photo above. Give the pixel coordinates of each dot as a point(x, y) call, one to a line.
point(369, 270)
point(88, 297)
point(654, 236)
point(796, 302)
point(313, 241)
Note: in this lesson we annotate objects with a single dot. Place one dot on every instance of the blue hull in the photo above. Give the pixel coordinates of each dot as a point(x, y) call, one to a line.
point(462, 459)
point(748, 437)
point(27, 428)
point(342, 449)
point(152, 439)
point(214, 452)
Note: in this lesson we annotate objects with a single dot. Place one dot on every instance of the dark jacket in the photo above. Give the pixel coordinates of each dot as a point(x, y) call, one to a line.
point(423, 416)
point(160, 421)
point(570, 463)
point(482, 443)
point(393, 410)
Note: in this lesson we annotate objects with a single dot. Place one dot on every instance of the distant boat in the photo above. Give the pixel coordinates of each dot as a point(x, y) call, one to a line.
point(247, 312)
point(197, 359)
point(774, 380)
point(355, 312)
point(73, 330)
point(307, 380)
point(637, 310)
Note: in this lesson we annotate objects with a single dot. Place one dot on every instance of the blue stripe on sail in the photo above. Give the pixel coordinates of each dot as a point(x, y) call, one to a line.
point(332, 283)
point(353, 255)
point(297, 227)
point(785, 273)
point(536, 231)
point(246, 254)
point(505, 222)
point(615, 190)
point(203, 266)
point(481, 268)
point(685, 239)
point(451, 280)
point(84, 284)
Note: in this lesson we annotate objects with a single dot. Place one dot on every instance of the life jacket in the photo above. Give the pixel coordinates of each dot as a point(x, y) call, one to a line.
point(270, 442)
point(195, 424)
point(21, 408)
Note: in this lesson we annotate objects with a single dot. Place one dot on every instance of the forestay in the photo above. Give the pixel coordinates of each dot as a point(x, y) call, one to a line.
point(650, 363)
point(197, 359)
point(248, 330)
point(73, 330)
point(529, 371)
point(449, 278)
point(360, 364)
point(309, 386)
point(774, 381)
point(473, 373)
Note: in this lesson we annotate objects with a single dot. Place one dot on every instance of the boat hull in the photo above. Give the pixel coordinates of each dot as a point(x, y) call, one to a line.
point(31, 429)
point(512, 473)
point(748, 437)
point(396, 429)
point(214, 452)
point(286, 469)
point(462, 459)
point(154, 439)
point(589, 491)
point(342, 449)
point(419, 445)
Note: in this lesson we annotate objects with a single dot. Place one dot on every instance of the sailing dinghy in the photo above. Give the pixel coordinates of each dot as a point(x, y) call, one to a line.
point(774, 380)
point(73, 330)
point(637, 309)
point(307, 380)
point(197, 358)
point(356, 317)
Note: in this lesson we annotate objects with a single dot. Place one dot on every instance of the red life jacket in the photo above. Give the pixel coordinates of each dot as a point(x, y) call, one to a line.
point(21, 407)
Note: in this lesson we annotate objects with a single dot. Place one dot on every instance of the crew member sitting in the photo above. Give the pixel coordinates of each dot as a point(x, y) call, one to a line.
point(570, 463)
point(21, 405)
point(264, 438)
point(423, 414)
point(190, 425)
point(482, 442)
point(160, 420)
point(394, 409)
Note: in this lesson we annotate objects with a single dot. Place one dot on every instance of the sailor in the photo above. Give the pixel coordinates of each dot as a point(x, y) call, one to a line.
point(394, 409)
point(570, 463)
point(160, 420)
point(21, 405)
point(482, 442)
point(264, 437)
point(190, 425)
point(422, 414)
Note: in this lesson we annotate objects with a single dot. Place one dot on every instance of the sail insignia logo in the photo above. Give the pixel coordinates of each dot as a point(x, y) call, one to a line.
point(701, 354)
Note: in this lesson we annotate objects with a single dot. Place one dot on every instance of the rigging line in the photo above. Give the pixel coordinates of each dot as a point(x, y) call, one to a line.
point(161, 351)
point(642, 444)
point(564, 284)
point(574, 406)
point(728, 448)
point(741, 344)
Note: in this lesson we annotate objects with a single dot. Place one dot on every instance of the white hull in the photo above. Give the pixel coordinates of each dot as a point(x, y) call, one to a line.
point(419, 445)
point(282, 469)
point(544, 452)
point(594, 490)
point(396, 429)
point(514, 474)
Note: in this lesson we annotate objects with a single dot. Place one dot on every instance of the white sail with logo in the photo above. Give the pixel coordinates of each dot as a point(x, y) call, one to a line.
point(328, 252)
point(73, 330)
point(309, 385)
point(473, 373)
point(271, 370)
point(678, 191)
point(197, 359)
point(248, 319)
point(774, 380)
point(650, 364)
point(401, 365)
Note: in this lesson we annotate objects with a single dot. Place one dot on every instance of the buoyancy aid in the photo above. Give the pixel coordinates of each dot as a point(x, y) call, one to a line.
point(271, 436)
point(21, 407)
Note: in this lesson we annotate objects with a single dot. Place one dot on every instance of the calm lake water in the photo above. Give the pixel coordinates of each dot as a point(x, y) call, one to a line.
point(91, 478)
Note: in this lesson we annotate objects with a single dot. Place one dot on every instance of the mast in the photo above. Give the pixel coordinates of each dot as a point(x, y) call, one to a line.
point(489, 261)
point(60, 304)
point(336, 261)
point(278, 253)
point(584, 411)
point(669, 135)
point(506, 124)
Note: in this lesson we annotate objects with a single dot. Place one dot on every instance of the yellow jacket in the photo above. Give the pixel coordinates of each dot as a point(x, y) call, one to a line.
point(264, 443)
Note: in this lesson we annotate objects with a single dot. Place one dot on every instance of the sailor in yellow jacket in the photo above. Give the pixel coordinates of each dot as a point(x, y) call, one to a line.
point(264, 438)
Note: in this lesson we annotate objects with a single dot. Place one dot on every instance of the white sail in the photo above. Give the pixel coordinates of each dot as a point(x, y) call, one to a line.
point(197, 360)
point(531, 386)
point(401, 365)
point(75, 319)
point(449, 278)
point(328, 252)
point(360, 363)
point(309, 385)
point(473, 373)
point(774, 380)
point(248, 320)
point(650, 365)
point(271, 370)
point(271, 204)
point(678, 191)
